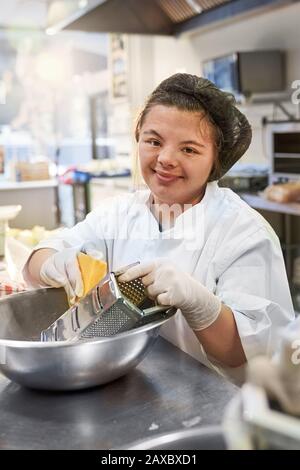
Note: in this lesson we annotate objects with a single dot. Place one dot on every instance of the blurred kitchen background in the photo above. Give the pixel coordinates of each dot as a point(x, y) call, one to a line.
point(74, 73)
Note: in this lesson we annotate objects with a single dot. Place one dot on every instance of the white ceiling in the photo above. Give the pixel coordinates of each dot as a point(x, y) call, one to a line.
point(23, 13)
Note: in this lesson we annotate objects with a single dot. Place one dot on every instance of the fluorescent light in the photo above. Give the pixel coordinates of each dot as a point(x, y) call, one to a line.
point(83, 3)
point(195, 6)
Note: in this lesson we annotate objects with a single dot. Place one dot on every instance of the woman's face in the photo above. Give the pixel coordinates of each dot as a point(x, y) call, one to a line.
point(177, 153)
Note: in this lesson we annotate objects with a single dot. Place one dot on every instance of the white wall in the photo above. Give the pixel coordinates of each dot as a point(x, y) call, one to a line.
point(162, 56)
point(174, 55)
point(153, 58)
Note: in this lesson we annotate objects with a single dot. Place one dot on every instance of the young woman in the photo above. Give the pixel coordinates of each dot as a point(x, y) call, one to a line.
point(200, 247)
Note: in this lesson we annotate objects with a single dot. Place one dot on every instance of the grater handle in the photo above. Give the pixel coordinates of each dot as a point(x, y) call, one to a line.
point(156, 309)
point(156, 313)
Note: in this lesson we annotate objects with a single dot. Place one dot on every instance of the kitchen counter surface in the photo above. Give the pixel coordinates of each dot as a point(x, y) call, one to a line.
point(38, 200)
point(9, 185)
point(168, 391)
point(258, 202)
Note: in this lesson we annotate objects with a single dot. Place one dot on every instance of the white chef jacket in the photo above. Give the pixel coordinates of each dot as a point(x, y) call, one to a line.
point(221, 242)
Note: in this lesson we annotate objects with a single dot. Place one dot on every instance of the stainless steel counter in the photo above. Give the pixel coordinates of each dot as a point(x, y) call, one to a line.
point(168, 391)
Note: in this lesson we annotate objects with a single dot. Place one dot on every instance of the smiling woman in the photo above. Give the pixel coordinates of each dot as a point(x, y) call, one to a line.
point(219, 121)
point(200, 247)
point(177, 152)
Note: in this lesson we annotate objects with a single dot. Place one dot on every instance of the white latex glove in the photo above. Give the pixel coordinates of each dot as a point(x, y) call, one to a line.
point(62, 270)
point(168, 285)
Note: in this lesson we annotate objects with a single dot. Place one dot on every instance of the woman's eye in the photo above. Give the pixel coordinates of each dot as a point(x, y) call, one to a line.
point(153, 142)
point(189, 151)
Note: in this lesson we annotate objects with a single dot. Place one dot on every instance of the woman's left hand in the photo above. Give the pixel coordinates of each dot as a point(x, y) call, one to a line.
point(168, 285)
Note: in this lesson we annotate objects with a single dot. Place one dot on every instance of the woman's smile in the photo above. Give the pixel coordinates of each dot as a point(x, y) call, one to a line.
point(166, 178)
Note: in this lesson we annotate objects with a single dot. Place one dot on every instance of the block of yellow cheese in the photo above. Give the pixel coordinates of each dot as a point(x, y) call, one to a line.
point(92, 271)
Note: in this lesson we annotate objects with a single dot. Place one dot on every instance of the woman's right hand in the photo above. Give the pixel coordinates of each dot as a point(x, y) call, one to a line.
point(61, 269)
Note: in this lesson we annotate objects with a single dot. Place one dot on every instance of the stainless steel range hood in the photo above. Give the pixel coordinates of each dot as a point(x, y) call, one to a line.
point(122, 16)
point(130, 16)
point(164, 17)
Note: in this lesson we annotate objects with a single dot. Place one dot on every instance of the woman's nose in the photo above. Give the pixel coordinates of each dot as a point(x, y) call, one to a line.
point(167, 157)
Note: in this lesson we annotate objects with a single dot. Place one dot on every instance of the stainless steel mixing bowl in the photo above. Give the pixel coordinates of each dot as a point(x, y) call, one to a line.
point(62, 365)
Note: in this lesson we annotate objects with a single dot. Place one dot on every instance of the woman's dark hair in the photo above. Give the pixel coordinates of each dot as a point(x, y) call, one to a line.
point(186, 92)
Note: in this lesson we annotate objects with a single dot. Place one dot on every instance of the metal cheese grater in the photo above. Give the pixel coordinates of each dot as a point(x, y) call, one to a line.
point(108, 309)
